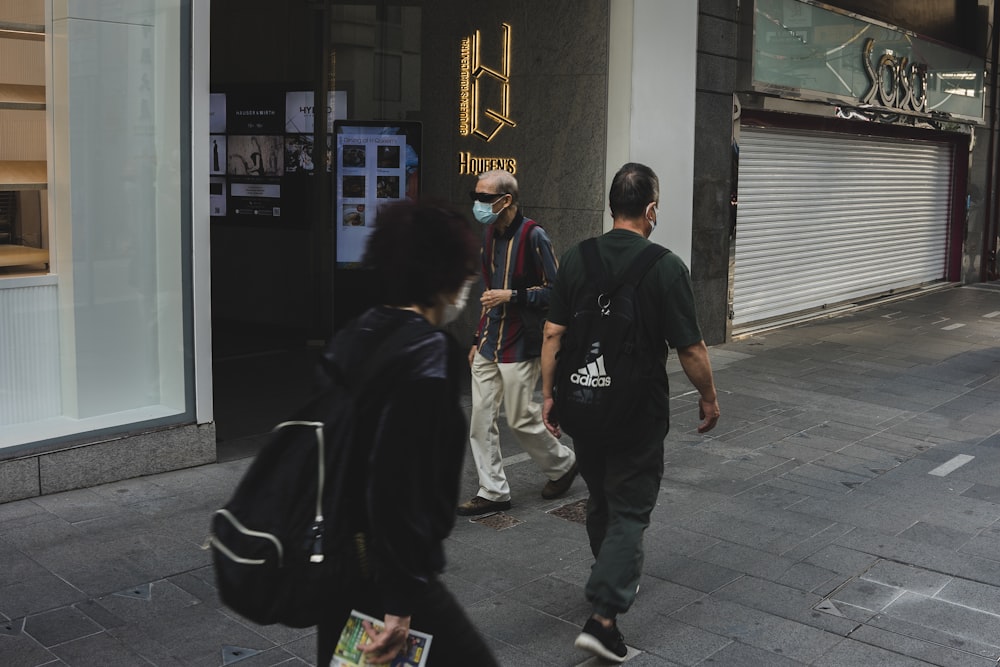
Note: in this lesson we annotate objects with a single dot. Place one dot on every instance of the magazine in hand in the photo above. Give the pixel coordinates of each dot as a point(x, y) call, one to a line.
point(348, 652)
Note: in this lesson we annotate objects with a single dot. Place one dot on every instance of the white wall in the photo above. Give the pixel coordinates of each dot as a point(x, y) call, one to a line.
point(651, 99)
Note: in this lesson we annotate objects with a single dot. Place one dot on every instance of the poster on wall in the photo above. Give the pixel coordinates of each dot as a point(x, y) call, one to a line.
point(255, 113)
point(300, 114)
point(262, 153)
point(376, 162)
point(217, 195)
point(300, 155)
point(255, 198)
point(217, 113)
point(217, 155)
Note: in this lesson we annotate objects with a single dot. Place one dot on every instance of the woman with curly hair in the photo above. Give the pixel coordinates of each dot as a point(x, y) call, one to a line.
point(422, 258)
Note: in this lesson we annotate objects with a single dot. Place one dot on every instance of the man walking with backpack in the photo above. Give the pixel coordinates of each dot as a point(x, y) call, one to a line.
point(518, 268)
point(616, 304)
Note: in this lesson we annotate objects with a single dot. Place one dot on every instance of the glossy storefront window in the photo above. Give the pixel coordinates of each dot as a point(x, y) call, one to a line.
point(802, 47)
point(100, 342)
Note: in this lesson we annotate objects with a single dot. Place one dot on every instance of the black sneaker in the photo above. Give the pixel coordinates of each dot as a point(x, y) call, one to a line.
point(604, 642)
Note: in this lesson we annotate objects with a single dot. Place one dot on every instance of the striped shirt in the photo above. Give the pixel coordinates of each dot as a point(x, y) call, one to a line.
point(512, 332)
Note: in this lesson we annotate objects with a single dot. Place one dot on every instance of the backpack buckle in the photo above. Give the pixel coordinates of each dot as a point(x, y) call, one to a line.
point(604, 303)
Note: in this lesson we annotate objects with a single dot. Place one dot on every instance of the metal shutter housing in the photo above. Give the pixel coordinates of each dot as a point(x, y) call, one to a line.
point(826, 218)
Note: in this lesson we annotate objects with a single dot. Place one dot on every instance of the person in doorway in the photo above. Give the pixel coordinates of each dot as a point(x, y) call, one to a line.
point(410, 436)
point(623, 476)
point(518, 267)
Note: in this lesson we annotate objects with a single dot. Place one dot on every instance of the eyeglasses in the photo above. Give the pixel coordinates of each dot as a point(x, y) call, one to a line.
point(488, 197)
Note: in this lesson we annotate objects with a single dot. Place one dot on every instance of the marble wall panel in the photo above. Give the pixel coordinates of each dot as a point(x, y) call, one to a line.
point(126, 457)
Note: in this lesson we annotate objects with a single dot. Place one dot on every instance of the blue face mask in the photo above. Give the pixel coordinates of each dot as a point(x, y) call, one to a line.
point(483, 211)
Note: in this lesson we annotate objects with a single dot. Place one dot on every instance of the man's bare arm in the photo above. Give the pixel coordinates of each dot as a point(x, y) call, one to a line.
point(698, 368)
point(551, 342)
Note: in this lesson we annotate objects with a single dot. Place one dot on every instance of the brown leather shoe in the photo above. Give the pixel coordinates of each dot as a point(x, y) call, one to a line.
point(557, 487)
point(479, 505)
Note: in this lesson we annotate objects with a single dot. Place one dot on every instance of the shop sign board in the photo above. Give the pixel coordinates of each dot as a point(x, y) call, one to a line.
point(816, 52)
point(484, 105)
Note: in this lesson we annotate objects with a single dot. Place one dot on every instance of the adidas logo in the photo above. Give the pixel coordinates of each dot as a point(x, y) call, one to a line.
point(593, 374)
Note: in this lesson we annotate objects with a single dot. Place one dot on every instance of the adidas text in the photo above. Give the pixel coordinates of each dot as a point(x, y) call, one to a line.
point(590, 380)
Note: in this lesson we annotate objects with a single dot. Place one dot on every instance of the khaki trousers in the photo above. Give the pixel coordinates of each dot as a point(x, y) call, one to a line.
point(513, 385)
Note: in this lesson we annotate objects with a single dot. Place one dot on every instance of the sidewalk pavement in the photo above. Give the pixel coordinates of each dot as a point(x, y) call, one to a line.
point(846, 511)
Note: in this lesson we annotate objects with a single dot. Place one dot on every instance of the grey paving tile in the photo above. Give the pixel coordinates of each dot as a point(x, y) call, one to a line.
point(794, 450)
point(867, 595)
point(194, 636)
point(80, 505)
point(506, 654)
point(508, 621)
point(953, 619)
point(763, 631)
point(937, 535)
point(764, 495)
point(784, 602)
point(476, 566)
point(59, 626)
point(304, 649)
point(643, 659)
point(19, 513)
point(971, 594)
point(99, 614)
point(554, 597)
point(22, 650)
point(820, 539)
point(851, 653)
point(741, 531)
point(814, 474)
point(842, 560)
point(832, 494)
point(934, 635)
point(683, 644)
point(907, 577)
point(670, 538)
point(986, 544)
point(925, 556)
point(102, 650)
point(928, 651)
point(689, 572)
point(656, 597)
point(270, 658)
point(36, 594)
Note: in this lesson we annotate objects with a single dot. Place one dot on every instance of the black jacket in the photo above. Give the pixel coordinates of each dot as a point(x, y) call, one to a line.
point(411, 435)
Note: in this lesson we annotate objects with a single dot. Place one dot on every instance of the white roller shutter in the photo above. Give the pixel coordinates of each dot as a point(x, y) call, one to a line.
point(826, 218)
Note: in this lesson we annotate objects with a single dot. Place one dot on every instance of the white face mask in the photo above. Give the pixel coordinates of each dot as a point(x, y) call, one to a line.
point(452, 310)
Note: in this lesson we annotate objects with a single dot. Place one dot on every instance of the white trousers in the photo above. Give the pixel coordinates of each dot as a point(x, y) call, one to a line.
point(512, 384)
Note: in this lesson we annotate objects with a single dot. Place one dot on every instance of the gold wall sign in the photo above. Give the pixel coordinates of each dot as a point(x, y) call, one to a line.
point(473, 74)
point(476, 117)
point(471, 164)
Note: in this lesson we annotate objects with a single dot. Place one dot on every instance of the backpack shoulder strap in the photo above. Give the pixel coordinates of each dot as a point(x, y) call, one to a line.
point(592, 264)
point(642, 263)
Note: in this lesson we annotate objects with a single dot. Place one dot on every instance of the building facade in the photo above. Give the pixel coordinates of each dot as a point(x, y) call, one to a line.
point(168, 185)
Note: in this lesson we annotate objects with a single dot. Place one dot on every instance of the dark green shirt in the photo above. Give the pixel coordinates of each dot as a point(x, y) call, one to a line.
point(665, 298)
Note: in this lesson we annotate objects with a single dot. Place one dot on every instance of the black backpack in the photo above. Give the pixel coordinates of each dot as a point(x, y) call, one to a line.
point(284, 546)
point(605, 368)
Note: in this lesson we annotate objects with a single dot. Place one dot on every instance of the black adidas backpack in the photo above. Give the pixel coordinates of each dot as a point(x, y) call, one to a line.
point(605, 368)
point(285, 544)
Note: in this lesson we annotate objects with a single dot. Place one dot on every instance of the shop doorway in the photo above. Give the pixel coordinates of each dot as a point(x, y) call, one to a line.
point(278, 292)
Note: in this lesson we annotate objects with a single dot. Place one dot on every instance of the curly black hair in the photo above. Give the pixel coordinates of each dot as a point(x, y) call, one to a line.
point(419, 250)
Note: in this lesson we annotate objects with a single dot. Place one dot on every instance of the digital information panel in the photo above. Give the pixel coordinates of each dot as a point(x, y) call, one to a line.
point(376, 162)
